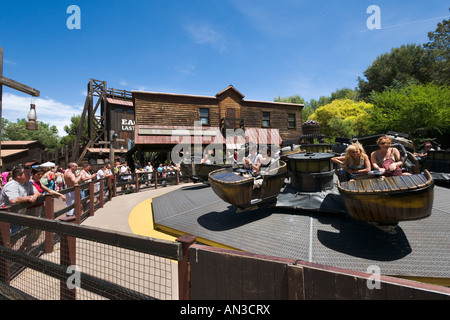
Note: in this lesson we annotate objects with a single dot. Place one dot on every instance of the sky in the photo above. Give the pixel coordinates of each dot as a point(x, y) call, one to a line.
point(265, 49)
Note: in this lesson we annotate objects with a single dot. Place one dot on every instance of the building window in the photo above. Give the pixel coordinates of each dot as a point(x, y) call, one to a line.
point(291, 121)
point(204, 116)
point(265, 119)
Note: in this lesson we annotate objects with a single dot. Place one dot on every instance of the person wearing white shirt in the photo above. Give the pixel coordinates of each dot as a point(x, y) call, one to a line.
point(149, 169)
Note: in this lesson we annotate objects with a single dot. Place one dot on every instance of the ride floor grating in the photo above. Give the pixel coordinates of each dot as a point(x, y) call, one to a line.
point(418, 248)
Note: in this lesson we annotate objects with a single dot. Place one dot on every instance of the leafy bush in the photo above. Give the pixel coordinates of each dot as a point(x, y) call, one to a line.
point(418, 110)
point(343, 118)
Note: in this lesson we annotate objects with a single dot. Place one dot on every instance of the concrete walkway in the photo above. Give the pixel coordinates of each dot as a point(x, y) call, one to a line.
point(131, 213)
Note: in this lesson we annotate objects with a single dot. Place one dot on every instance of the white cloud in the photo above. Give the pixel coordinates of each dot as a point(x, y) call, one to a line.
point(273, 18)
point(205, 34)
point(48, 110)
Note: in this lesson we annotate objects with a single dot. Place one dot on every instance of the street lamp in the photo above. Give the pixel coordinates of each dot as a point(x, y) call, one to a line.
point(32, 117)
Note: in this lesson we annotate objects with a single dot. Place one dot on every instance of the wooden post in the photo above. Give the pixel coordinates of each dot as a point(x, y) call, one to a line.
point(78, 208)
point(49, 214)
point(137, 182)
point(67, 258)
point(100, 198)
point(109, 184)
point(114, 185)
point(184, 279)
point(5, 241)
point(156, 178)
point(91, 198)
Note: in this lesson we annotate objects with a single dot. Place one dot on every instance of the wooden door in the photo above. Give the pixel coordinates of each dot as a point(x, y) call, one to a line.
point(230, 115)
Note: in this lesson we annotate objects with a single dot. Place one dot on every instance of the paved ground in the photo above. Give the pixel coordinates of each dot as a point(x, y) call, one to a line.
point(131, 213)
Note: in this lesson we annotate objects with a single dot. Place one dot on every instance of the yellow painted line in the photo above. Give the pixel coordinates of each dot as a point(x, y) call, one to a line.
point(140, 221)
point(199, 239)
point(444, 282)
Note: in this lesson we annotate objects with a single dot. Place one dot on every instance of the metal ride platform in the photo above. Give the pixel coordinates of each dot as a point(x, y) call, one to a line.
point(419, 250)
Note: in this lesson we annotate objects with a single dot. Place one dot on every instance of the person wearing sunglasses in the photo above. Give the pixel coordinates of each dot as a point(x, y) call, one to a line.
point(427, 146)
point(387, 159)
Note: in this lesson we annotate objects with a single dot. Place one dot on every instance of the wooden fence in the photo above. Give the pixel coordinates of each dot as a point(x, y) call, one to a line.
point(220, 274)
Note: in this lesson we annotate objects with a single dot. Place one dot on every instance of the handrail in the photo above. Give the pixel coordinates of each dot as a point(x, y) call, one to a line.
point(163, 248)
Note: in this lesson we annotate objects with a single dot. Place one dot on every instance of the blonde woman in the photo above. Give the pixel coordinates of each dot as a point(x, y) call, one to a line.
point(355, 160)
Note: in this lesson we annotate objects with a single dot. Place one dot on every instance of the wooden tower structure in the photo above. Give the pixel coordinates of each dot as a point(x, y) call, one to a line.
point(102, 121)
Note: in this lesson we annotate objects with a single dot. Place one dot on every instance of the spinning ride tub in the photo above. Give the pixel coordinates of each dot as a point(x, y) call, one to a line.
point(239, 189)
point(200, 171)
point(389, 199)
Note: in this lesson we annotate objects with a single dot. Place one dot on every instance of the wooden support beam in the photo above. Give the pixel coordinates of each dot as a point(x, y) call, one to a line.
point(19, 86)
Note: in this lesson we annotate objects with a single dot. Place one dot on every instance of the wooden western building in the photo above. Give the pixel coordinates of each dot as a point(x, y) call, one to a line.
point(120, 114)
point(15, 153)
point(159, 116)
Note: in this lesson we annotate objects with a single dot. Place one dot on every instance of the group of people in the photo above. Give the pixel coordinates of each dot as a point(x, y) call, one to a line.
point(260, 163)
point(254, 163)
point(387, 160)
point(163, 170)
point(25, 186)
point(53, 178)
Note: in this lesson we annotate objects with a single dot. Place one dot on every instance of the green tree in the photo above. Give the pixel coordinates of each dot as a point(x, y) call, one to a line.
point(345, 93)
point(343, 117)
point(311, 106)
point(295, 99)
point(409, 64)
point(439, 45)
point(46, 134)
point(72, 130)
point(419, 110)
